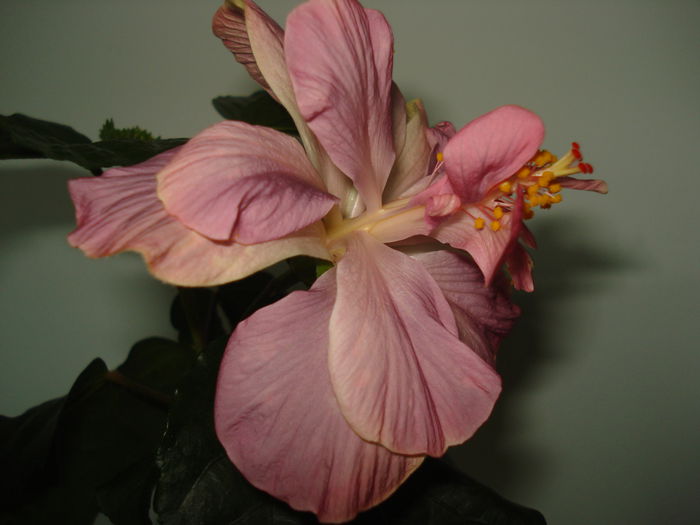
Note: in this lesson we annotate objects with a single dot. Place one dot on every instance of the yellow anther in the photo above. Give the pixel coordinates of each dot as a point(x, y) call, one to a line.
point(495, 225)
point(535, 200)
point(505, 187)
point(557, 198)
point(532, 190)
point(523, 173)
point(539, 160)
point(554, 188)
point(479, 223)
point(498, 212)
point(528, 214)
point(440, 156)
point(545, 179)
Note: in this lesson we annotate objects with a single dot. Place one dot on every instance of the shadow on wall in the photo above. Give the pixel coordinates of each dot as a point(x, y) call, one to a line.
point(571, 263)
point(36, 196)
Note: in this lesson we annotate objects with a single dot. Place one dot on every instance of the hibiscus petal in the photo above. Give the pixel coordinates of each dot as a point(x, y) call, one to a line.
point(234, 181)
point(339, 57)
point(121, 211)
point(413, 159)
point(488, 248)
point(229, 25)
point(278, 419)
point(484, 314)
point(264, 38)
point(490, 149)
point(401, 375)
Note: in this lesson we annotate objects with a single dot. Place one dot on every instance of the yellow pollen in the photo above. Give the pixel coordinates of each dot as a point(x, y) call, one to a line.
point(440, 156)
point(498, 212)
point(532, 190)
point(556, 198)
point(505, 187)
point(535, 200)
point(554, 188)
point(523, 173)
point(479, 223)
point(495, 226)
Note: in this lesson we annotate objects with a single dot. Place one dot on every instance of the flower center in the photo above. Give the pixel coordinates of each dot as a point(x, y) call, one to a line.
point(393, 221)
point(538, 181)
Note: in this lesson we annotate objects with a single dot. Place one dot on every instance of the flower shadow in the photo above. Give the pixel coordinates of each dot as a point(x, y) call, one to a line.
point(571, 263)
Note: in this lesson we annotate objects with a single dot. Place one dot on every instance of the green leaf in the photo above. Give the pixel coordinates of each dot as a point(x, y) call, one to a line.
point(259, 109)
point(198, 484)
point(94, 450)
point(110, 132)
point(23, 137)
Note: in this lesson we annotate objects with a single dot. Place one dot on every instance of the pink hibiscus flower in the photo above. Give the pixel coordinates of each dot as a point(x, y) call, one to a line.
point(330, 398)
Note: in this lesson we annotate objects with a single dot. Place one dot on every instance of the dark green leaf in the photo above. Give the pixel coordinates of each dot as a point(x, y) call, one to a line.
point(126, 499)
point(199, 485)
point(94, 450)
point(306, 268)
point(194, 315)
point(23, 137)
point(241, 298)
point(159, 363)
point(109, 131)
point(25, 447)
point(259, 109)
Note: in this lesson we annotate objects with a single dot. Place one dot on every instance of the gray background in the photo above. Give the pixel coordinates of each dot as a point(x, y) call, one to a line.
point(598, 422)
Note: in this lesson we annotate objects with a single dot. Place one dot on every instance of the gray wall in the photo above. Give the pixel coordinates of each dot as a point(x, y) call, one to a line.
point(598, 422)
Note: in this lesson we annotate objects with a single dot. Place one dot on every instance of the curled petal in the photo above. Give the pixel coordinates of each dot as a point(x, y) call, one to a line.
point(265, 39)
point(339, 57)
point(519, 264)
point(234, 181)
point(401, 375)
point(278, 419)
point(490, 149)
point(484, 314)
point(121, 211)
point(229, 25)
point(440, 134)
point(599, 186)
point(410, 172)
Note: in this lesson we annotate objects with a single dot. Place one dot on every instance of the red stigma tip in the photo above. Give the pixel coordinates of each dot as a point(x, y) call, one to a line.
point(574, 145)
point(577, 154)
point(585, 167)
